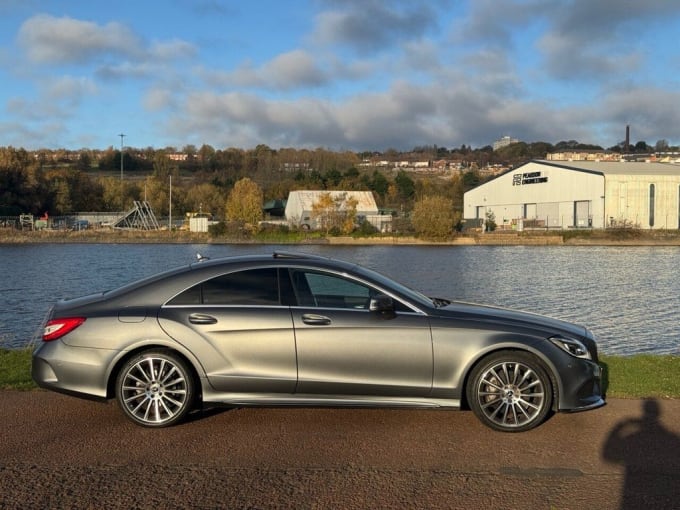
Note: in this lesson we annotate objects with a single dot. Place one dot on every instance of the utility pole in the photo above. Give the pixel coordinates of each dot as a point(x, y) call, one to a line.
point(121, 156)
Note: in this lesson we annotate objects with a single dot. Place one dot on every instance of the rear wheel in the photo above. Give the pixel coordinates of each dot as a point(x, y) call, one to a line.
point(155, 389)
point(510, 391)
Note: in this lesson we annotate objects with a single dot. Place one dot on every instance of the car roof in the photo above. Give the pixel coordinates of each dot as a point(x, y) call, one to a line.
point(206, 268)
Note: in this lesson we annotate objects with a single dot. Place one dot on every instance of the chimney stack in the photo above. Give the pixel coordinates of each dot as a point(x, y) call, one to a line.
point(626, 148)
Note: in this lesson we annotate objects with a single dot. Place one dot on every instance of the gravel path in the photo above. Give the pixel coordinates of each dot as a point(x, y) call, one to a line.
point(62, 452)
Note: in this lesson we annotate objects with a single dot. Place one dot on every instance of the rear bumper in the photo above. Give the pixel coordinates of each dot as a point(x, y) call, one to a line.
point(77, 371)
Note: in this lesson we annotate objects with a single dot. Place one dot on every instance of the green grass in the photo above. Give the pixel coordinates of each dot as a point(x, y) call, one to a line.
point(638, 376)
point(15, 369)
point(641, 376)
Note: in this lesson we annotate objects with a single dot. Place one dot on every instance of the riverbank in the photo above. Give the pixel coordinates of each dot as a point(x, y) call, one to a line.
point(623, 237)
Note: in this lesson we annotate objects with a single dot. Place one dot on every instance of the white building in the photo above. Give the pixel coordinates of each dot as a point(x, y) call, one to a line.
point(300, 206)
point(580, 194)
point(504, 142)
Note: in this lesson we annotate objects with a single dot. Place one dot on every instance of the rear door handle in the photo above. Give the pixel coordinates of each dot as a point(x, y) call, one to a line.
point(315, 320)
point(200, 318)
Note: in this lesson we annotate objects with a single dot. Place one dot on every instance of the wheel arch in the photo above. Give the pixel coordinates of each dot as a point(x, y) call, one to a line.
point(548, 366)
point(120, 362)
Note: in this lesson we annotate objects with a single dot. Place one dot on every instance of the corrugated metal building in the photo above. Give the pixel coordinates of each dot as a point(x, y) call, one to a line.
point(580, 194)
point(300, 205)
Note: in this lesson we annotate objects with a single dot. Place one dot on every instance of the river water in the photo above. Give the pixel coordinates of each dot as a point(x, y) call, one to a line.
point(628, 296)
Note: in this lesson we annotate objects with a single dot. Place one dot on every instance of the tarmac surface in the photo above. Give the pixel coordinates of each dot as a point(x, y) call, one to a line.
point(62, 452)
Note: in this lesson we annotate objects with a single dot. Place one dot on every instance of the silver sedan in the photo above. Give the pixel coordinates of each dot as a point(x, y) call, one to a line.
point(295, 329)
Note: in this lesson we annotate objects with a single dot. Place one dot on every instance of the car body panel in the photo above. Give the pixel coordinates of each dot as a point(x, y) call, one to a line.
point(357, 352)
point(244, 350)
point(326, 349)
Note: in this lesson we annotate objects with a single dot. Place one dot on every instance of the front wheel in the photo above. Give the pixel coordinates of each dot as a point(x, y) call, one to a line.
point(155, 389)
point(510, 391)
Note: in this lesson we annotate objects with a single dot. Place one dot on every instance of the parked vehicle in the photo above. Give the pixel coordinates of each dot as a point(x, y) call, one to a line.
point(295, 329)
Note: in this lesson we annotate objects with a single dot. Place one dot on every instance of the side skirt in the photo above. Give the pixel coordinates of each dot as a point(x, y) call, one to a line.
point(276, 399)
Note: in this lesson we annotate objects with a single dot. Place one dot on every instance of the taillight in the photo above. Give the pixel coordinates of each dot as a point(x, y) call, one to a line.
point(56, 328)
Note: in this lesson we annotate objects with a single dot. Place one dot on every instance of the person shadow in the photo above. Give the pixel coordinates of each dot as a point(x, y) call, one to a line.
point(650, 454)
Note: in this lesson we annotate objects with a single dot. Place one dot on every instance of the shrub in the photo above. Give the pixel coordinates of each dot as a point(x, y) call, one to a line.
point(433, 217)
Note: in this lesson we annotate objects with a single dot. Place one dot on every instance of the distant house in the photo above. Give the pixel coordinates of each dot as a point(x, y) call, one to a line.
point(300, 205)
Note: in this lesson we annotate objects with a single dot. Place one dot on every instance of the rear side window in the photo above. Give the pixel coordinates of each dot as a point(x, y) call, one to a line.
point(251, 287)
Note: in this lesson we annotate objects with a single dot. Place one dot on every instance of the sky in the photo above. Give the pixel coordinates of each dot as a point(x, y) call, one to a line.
point(357, 75)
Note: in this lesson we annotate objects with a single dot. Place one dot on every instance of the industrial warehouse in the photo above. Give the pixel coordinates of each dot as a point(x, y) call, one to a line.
point(580, 194)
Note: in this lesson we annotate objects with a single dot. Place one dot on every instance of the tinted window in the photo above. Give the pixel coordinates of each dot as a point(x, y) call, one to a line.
point(324, 290)
point(252, 287)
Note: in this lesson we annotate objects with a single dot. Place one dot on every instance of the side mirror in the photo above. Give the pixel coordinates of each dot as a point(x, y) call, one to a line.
point(381, 303)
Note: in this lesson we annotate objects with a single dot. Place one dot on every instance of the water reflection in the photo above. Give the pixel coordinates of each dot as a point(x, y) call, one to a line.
point(627, 295)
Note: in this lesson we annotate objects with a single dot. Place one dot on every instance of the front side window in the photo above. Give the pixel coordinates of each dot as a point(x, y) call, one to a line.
point(329, 291)
point(251, 287)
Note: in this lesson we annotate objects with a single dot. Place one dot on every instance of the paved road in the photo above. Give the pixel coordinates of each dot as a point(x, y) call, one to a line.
point(61, 452)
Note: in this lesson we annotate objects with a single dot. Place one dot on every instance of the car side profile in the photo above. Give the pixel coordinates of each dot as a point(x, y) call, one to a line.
point(297, 329)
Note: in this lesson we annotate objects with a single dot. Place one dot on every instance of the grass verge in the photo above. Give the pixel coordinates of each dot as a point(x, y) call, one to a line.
point(640, 376)
point(15, 369)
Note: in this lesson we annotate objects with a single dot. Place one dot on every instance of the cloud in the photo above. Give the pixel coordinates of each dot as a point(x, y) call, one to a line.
point(648, 110)
point(47, 39)
point(174, 49)
point(55, 41)
point(70, 89)
point(497, 23)
point(158, 99)
point(369, 26)
point(287, 71)
point(447, 114)
point(596, 40)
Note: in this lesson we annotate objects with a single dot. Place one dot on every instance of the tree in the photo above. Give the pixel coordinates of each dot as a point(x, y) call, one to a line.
point(204, 197)
point(117, 195)
point(335, 213)
point(490, 221)
point(405, 185)
point(245, 202)
point(661, 145)
point(433, 217)
point(22, 186)
point(206, 156)
point(323, 212)
point(379, 184)
point(350, 209)
point(642, 148)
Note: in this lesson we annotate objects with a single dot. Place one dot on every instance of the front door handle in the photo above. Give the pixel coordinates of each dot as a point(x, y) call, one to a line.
point(200, 318)
point(315, 320)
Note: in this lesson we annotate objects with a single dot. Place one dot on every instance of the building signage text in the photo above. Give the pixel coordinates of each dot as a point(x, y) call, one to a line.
point(528, 178)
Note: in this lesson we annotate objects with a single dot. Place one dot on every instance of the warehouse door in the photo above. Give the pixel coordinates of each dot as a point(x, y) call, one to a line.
point(582, 214)
point(529, 211)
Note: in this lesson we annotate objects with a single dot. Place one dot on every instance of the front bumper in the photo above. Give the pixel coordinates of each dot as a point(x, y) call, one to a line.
point(581, 386)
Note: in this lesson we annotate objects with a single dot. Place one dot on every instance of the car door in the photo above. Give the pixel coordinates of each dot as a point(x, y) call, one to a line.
point(236, 326)
point(344, 348)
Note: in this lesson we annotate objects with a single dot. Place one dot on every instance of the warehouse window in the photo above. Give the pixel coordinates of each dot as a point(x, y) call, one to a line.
point(651, 205)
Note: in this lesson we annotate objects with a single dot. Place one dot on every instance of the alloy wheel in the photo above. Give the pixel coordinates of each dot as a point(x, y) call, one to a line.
point(155, 389)
point(511, 393)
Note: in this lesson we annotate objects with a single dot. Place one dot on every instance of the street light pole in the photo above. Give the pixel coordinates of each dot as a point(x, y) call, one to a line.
point(121, 156)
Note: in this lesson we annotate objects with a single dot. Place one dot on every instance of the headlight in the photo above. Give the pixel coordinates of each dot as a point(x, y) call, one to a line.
point(572, 346)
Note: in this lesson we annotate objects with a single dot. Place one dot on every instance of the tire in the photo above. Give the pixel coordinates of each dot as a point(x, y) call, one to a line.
point(510, 391)
point(155, 389)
